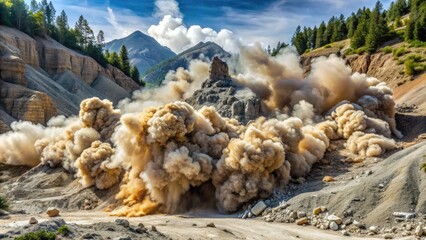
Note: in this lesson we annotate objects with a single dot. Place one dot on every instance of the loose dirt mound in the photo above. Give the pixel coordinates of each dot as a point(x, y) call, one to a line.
point(396, 184)
point(43, 187)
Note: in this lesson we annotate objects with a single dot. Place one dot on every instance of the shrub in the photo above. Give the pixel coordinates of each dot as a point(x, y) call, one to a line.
point(348, 51)
point(63, 230)
point(415, 57)
point(409, 67)
point(3, 203)
point(417, 43)
point(39, 235)
point(361, 50)
point(327, 46)
point(386, 49)
point(341, 47)
point(398, 52)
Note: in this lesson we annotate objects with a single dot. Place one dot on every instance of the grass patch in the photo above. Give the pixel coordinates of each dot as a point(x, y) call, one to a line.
point(39, 235)
point(386, 49)
point(3, 203)
point(417, 43)
point(63, 230)
point(399, 52)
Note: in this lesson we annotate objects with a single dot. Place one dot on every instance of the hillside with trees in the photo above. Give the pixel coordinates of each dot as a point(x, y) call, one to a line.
point(367, 29)
point(40, 20)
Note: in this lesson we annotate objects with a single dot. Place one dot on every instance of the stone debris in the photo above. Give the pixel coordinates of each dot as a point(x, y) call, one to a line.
point(52, 212)
point(328, 179)
point(210, 225)
point(33, 220)
point(258, 208)
point(122, 222)
point(404, 215)
point(302, 221)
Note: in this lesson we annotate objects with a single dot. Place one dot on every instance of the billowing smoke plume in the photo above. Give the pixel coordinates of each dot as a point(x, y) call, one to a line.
point(162, 150)
point(178, 85)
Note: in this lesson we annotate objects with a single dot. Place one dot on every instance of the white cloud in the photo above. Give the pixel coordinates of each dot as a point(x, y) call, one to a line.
point(167, 7)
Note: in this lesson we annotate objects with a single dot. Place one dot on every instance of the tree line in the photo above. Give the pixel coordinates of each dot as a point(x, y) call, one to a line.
point(39, 19)
point(367, 28)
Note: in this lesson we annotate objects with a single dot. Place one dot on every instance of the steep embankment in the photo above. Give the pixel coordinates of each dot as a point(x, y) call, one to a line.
point(40, 78)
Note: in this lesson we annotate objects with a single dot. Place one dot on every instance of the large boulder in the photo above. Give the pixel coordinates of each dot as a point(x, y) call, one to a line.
point(227, 97)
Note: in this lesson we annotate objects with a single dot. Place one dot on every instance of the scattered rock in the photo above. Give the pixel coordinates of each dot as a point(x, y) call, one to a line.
point(52, 212)
point(316, 211)
point(358, 224)
point(373, 229)
point(33, 220)
point(405, 215)
point(301, 214)
point(387, 236)
point(122, 222)
point(328, 179)
point(419, 231)
point(333, 226)
point(210, 225)
point(334, 218)
point(3, 213)
point(258, 208)
point(123, 238)
point(302, 221)
point(345, 233)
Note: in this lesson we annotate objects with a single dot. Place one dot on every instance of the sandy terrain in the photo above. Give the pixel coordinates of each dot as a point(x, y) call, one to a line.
point(181, 226)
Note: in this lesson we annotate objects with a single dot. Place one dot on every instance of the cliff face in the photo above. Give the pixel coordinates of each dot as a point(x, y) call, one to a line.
point(41, 78)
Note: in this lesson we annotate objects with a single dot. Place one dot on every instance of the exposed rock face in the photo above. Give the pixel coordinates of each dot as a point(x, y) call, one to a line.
point(230, 100)
point(3, 127)
point(121, 79)
point(56, 59)
point(12, 69)
point(379, 65)
point(25, 104)
point(41, 78)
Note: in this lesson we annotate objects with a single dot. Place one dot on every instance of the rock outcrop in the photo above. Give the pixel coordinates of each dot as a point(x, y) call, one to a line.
point(25, 104)
point(40, 78)
point(229, 99)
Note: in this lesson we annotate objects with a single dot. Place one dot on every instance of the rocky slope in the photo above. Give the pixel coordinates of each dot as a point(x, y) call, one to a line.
point(144, 51)
point(204, 51)
point(40, 78)
point(229, 99)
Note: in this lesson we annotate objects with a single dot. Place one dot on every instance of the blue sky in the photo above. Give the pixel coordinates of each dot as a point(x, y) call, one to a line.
point(249, 20)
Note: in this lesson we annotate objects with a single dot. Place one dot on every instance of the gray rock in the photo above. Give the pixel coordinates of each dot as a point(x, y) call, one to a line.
point(301, 214)
point(333, 226)
point(33, 220)
point(419, 230)
point(122, 222)
point(405, 215)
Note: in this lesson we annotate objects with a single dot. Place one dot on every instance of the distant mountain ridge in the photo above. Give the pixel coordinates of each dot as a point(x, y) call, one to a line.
point(144, 51)
point(206, 51)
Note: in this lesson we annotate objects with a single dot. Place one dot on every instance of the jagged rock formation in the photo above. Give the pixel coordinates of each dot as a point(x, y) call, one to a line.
point(203, 51)
point(229, 99)
point(40, 78)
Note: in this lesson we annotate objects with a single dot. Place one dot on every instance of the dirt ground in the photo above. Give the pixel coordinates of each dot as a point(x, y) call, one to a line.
point(193, 226)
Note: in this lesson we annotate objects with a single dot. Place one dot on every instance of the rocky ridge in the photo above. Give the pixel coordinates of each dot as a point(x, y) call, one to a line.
point(40, 78)
point(229, 99)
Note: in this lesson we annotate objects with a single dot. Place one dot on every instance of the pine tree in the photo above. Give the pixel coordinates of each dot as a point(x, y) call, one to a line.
point(18, 14)
point(351, 24)
point(358, 39)
point(34, 6)
point(329, 31)
point(372, 39)
point(114, 60)
point(319, 39)
point(124, 60)
point(63, 26)
point(134, 74)
point(100, 38)
point(299, 41)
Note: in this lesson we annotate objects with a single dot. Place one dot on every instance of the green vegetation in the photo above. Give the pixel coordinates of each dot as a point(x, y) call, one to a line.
point(39, 19)
point(63, 230)
point(398, 52)
point(386, 49)
point(413, 64)
point(3, 203)
point(39, 235)
point(368, 28)
point(276, 50)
